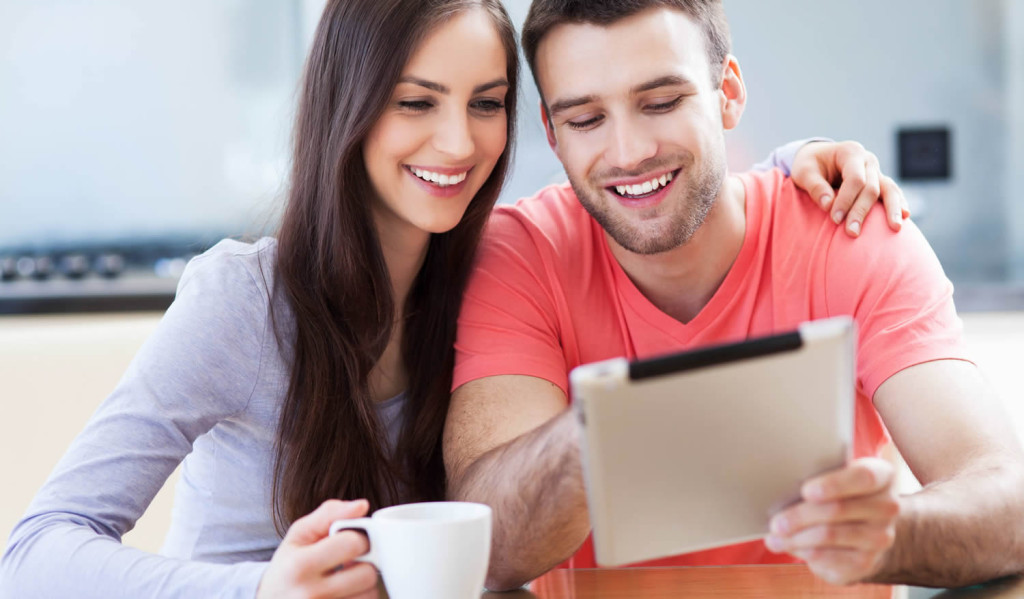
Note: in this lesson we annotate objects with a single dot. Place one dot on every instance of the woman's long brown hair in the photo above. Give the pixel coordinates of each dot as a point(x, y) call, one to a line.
point(330, 267)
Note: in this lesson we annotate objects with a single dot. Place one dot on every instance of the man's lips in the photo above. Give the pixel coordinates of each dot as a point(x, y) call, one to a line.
point(638, 188)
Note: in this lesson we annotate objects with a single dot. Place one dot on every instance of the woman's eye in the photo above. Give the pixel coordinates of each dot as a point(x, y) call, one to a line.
point(489, 106)
point(666, 106)
point(578, 125)
point(415, 105)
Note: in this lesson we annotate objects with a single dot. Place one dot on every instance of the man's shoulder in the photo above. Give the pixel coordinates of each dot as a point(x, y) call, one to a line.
point(795, 222)
point(779, 198)
point(801, 233)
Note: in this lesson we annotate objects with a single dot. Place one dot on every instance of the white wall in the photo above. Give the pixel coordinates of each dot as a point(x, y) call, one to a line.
point(535, 164)
point(209, 145)
point(136, 119)
point(1014, 45)
point(861, 70)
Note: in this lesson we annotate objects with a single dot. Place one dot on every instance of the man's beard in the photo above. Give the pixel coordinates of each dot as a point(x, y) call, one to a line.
point(702, 184)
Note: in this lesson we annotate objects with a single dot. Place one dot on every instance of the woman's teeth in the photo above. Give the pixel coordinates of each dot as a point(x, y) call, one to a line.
point(645, 188)
point(438, 179)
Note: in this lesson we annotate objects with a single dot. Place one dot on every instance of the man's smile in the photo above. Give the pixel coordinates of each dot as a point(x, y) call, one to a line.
point(639, 188)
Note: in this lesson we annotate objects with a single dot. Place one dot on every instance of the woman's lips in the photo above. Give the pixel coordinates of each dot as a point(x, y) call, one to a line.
point(439, 189)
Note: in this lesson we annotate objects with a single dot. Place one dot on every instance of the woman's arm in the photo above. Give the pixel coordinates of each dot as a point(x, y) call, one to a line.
point(198, 368)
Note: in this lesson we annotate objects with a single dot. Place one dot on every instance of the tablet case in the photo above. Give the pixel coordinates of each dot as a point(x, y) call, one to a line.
point(699, 449)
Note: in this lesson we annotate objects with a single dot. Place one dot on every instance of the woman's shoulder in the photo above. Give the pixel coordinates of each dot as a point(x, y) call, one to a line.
point(233, 281)
point(232, 263)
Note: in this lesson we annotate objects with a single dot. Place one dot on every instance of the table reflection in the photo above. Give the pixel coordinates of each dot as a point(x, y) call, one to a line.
point(730, 581)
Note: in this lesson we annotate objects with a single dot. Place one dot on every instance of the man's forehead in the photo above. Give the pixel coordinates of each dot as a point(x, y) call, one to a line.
point(584, 58)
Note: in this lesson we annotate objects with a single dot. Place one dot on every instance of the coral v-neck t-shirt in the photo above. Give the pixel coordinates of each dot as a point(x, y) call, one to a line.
point(548, 295)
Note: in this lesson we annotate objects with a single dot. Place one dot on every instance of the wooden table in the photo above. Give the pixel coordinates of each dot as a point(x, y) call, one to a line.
point(741, 582)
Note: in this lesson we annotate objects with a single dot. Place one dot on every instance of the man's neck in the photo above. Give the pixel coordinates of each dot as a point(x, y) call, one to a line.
point(680, 282)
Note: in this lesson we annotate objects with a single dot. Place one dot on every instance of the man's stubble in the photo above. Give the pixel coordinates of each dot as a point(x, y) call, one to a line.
point(695, 190)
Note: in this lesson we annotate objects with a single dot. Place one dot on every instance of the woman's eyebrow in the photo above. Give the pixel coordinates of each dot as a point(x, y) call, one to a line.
point(502, 82)
point(443, 89)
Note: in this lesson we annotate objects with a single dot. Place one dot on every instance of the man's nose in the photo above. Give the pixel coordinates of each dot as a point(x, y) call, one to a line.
point(630, 145)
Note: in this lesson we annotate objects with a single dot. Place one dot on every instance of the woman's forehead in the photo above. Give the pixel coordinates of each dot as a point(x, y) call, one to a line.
point(468, 44)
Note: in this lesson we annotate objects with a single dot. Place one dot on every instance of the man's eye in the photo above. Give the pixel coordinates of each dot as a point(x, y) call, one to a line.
point(415, 105)
point(666, 106)
point(584, 124)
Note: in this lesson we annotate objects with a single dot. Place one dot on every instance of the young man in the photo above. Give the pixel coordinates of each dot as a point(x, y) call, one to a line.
point(655, 248)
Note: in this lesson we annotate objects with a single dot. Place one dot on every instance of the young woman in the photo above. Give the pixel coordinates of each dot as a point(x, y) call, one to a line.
point(309, 367)
point(312, 366)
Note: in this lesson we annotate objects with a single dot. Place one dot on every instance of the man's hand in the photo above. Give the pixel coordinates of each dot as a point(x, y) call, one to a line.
point(819, 165)
point(844, 523)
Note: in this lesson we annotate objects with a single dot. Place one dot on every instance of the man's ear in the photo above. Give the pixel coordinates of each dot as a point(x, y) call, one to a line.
point(549, 128)
point(733, 93)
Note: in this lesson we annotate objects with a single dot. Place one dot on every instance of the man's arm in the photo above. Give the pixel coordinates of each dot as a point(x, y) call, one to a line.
point(511, 443)
point(967, 523)
point(965, 526)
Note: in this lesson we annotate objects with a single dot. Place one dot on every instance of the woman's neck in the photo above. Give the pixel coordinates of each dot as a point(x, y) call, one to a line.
point(405, 249)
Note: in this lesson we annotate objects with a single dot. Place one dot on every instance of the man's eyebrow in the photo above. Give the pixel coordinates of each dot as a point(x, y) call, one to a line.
point(562, 105)
point(666, 81)
point(443, 89)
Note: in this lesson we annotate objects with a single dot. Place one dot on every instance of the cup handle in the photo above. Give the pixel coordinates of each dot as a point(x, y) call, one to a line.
point(364, 524)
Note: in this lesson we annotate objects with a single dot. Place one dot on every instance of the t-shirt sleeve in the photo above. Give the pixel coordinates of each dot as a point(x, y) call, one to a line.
point(895, 288)
point(783, 156)
point(508, 324)
point(199, 367)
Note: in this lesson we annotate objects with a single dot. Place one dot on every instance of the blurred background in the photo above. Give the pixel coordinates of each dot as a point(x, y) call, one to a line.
point(134, 135)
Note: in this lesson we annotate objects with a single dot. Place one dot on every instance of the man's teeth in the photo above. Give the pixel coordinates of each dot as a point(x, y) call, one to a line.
point(439, 179)
point(645, 187)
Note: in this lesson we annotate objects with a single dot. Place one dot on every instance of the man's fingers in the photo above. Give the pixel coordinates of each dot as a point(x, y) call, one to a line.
point(867, 198)
point(314, 526)
point(882, 508)
point(355, 581)
point(839, 566)
point(865, 476)
point(861, 536)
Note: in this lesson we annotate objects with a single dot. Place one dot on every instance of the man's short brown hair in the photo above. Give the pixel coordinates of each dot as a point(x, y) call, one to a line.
point(545, 15)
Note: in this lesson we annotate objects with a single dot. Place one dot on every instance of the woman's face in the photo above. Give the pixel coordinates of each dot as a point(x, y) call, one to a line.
point(443, 130)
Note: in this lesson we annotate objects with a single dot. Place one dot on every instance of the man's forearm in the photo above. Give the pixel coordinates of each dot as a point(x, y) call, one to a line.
point(534, 484)
point(959, 532)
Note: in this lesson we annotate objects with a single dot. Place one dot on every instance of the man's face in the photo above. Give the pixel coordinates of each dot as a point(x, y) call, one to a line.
point(637, 121)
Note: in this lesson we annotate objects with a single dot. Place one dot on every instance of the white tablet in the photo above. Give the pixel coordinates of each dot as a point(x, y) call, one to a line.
point(699, 449)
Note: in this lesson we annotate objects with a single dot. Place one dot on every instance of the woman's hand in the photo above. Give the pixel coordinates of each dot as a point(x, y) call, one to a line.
point(818, 166)
point(305, 565)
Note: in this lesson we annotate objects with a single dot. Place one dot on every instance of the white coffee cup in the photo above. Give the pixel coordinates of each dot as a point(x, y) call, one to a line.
point(437, 550)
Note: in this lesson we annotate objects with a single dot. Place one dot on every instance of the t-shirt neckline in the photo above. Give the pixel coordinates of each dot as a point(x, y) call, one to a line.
point(726, 293)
